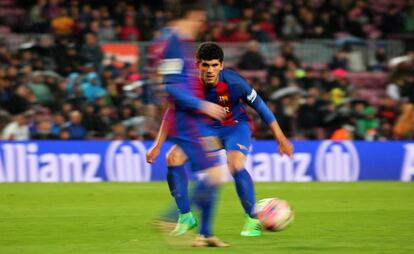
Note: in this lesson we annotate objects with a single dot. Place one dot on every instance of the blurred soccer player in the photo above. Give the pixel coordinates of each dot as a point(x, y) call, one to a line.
point(231, 91)
point(185, 125)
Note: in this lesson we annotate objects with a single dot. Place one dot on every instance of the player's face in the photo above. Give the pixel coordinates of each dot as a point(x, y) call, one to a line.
point(209, 71)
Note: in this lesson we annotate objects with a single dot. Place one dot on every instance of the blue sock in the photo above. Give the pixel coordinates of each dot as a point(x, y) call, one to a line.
point(245, 191)
point(178, 183)
point(204, 197)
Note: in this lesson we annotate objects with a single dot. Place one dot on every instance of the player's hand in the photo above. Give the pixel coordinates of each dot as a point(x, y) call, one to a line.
point(152, 154)
point(213, 110)
point(285, 147)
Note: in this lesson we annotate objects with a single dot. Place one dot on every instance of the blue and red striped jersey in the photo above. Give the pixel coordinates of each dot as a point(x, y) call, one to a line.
point(232, 92)
point(177, 65)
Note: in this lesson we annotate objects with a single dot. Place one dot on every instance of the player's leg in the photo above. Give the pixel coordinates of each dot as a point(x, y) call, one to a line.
point(178, 184)
point(245, 191)
point(205, 157)
point(205, 197)
point(177, 178)
point(237, 143)
point(243, 181)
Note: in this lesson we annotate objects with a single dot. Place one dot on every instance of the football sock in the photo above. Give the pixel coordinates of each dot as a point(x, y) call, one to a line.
point(204, 197)
point(178, 183)
point(245, 191)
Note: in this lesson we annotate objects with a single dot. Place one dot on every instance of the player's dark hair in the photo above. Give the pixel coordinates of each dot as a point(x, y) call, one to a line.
point(210, 51)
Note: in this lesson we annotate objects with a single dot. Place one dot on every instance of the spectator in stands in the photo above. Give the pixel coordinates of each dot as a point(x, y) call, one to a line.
point(51, 9)
point(266, 25)
point(288, 52)
point(5, 119)
point(40, 89)
point(252, 59)
point(57, 124)
point(291, 28)
point(118, 132)
point(91, 51)
point(129, 31)
point(64, 134)
point(277, 69)
point(409, 19)
point(331, 118)
point(37, 22)
point(114, 95)
point(308, 22)
point(380, 62)
point(62, 24)
point(339, 61)
point(108, 118)
point(387, 110)
point(107, 31)
point(385, 131)
point(5, 54)
point(85, 15)
point(228, 32)
point(91, 121)
point(285, 113)
point(15, 101)
point(354, 58)
point(240, 34)
point(393, 89)
point(75, 127)
point(214, 10)
point(230, 10)
point(273, 85)
point(43, 131)
point(357, 17)
point(392, 21)
point(308, 117)
point(367, 127)
point(326, 26)
point(17, 130)
point(91, 87)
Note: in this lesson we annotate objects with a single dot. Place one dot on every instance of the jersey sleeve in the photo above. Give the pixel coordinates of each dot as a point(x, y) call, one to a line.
point(175, 78)
point(251, 98)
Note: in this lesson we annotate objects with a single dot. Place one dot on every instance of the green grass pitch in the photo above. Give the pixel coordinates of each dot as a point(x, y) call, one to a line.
point(364, 217)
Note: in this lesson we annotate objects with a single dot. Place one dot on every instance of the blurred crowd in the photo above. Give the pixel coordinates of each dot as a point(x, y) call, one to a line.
point(228, 20)
point(324, 103)
point(59, 87)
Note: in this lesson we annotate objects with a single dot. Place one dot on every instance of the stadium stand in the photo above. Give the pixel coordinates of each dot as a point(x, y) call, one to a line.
point(60, 57)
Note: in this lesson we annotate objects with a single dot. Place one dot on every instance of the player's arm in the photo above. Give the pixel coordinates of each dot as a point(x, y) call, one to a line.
point(284, 147)
point(182, 98)
point(251, 98)
point(160, 139)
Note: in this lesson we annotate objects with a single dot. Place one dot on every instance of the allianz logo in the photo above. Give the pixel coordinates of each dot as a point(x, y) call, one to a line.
point(337, 161)
point(127, 163)
point(267, 167)
point(334, 161)
point(24, 162)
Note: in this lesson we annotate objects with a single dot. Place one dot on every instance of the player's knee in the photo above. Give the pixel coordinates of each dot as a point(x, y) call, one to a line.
point(215, 176)
point(235, 165)
point(174, 159)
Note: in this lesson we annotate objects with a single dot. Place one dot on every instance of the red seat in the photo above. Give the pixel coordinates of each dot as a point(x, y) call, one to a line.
point(368, 79)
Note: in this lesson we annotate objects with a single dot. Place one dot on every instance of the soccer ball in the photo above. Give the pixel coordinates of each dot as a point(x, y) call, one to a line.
point(274, 214)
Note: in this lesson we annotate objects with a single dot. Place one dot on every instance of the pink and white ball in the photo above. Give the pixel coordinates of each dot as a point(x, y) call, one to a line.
point(274, 214)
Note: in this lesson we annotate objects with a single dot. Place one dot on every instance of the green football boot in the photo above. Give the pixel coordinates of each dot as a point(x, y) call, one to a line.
point(185, 222)
point(252, 227)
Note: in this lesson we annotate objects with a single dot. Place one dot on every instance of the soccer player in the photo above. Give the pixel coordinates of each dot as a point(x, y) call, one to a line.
point(185, 125)
point(228, 89)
